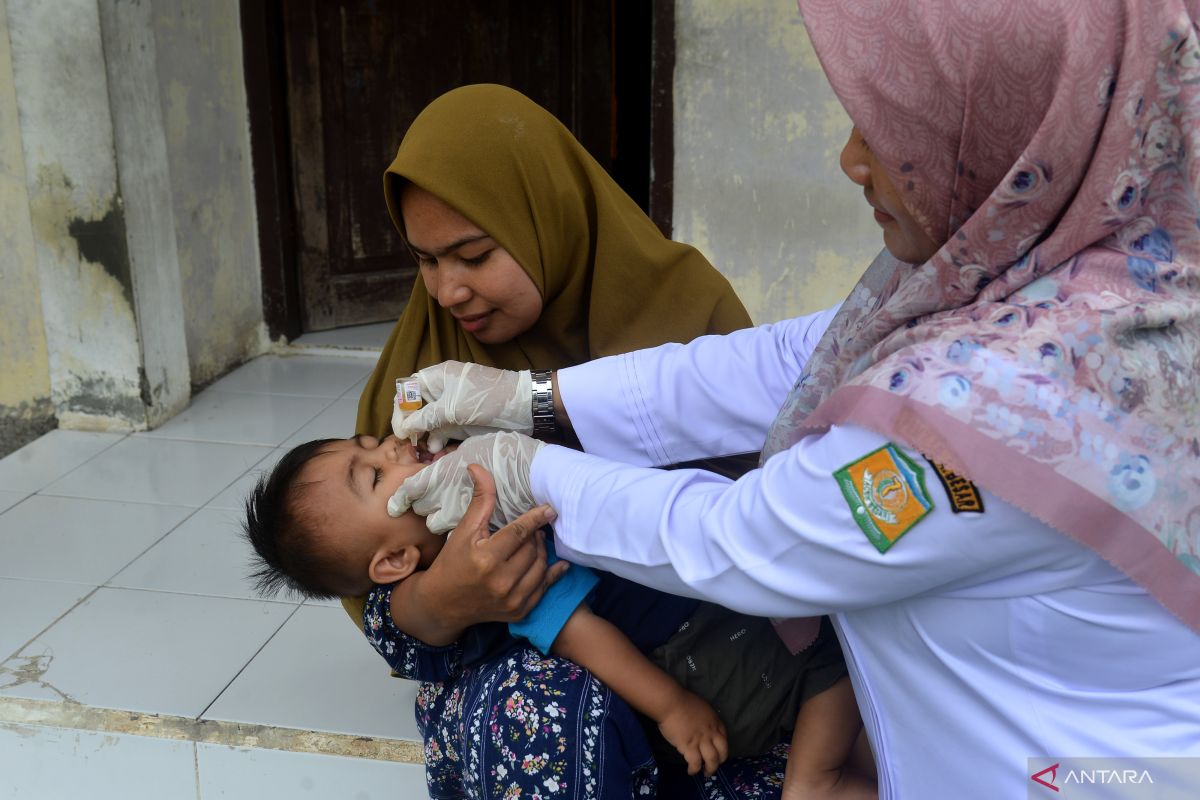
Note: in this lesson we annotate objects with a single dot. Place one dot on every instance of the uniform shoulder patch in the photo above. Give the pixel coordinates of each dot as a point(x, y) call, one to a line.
point(886, 492)
point(964, 495)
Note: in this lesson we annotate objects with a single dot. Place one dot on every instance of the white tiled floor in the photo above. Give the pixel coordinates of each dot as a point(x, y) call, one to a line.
point(122, 586)
point(368, 336)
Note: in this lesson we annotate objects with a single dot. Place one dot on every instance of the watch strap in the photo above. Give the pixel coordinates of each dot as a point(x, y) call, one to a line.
point(544, 423)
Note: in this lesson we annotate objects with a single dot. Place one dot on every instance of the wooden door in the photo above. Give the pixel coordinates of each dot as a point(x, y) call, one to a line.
point(355, 73)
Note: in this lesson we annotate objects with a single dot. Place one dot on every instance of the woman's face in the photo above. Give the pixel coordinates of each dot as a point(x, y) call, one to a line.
point(903, 236)
point(467, 271)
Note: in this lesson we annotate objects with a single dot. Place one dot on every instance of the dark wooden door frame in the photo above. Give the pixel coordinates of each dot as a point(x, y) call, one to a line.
point(265, 67)
point(662, 115)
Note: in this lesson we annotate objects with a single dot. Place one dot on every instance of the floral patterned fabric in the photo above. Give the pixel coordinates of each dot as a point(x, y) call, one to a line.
point(517, 724)
point(1050, 350)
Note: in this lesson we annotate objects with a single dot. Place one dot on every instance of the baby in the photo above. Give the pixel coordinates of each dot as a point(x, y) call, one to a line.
point(320, 527)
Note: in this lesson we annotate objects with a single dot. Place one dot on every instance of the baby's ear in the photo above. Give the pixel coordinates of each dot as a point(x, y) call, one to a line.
point(395, 564)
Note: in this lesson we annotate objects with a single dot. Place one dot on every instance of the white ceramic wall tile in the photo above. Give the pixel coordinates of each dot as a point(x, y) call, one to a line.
point(205, 555)
point(216, 416)
point(234, 496)
point(319, 673)
point(147, 651)
point(10, 499)
point(146, 470)
point(49, 457)
point(45, 763)
point(73, 539)
point(234, 773)
point(311, 376)
point(29, 607)
point(335, 422)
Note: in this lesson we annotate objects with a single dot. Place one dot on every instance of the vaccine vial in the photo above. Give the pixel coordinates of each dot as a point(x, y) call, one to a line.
point(408, 400)
point(408, 394)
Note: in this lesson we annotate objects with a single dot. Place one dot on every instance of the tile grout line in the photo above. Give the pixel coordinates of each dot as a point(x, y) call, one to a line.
point(181, 593)
point(52, 623)
point(329, 351)
point(147, 503)
point(196, 770)
point(152, 435)
point(43, 493)
point(76, 716)
point(108, 582)
point(122, 436)
point(225, 390)
point(242, 669)
point(310, 420)
point(97, 588)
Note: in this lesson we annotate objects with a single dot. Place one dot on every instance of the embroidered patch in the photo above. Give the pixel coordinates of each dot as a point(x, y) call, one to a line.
point(964, 495)
point(886, 492)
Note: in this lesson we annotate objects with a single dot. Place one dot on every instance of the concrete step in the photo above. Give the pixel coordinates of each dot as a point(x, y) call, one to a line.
point(60, 749)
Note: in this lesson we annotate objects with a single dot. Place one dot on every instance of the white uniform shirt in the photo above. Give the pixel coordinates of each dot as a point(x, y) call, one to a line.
point(977, 641)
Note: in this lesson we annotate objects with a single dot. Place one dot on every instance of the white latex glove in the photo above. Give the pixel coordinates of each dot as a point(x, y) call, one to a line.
point(463, 400)
point(442, 491)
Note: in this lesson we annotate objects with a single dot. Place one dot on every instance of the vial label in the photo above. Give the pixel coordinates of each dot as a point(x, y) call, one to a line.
point(408, 394)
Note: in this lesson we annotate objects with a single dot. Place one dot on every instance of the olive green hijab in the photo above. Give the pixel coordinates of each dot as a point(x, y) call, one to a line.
point(610, 281)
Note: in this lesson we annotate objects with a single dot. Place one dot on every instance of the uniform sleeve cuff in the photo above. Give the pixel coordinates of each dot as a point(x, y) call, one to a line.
point(603, 398)
point(554, 475)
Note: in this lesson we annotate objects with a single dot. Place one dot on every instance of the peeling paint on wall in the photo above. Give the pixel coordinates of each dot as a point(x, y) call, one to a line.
point(104, 397)
point(22, 423)
point(102, 242)
point(84, 245)
point(94, 325)
point(66, 134)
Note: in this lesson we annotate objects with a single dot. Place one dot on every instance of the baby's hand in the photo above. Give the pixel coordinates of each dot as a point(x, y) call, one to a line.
point(696, 731)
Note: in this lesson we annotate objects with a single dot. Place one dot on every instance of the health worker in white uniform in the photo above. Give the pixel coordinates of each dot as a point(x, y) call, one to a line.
point(984, 465)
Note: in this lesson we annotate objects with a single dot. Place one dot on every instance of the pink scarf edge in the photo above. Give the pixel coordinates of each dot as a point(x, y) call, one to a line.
point(1035, 489)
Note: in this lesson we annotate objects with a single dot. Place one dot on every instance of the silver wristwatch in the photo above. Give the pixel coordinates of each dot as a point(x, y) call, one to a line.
point(544, 423)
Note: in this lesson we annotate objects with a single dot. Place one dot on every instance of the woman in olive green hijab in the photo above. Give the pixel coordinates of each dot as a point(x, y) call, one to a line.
point(531, 257)
point(610, 282)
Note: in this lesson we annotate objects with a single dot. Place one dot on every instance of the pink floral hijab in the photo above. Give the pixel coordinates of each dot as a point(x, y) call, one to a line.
point(1050, 350)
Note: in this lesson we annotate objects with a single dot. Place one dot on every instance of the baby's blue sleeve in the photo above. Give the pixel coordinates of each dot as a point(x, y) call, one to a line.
point(541, 626)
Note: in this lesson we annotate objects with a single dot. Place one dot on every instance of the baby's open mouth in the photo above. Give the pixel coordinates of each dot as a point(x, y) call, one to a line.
point(426, 457)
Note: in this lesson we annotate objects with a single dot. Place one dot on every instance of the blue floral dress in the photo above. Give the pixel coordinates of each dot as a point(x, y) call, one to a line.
point(500, 720)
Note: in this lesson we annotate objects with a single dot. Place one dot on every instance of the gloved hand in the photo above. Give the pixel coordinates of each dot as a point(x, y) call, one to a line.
point(463, 400)
point(442, 491)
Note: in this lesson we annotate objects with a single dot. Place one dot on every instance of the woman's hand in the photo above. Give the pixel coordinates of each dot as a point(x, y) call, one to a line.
point(442, 491)
point(478, 576)
point(469, 399)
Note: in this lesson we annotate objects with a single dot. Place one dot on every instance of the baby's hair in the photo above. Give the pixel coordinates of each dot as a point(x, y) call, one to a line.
point(286, 557)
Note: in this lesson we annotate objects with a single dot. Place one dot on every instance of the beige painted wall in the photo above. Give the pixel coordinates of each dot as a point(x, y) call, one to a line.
point(208, 149)
point(757, 136)
point(757, 186)
point(25, 408)
point(129, 216)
